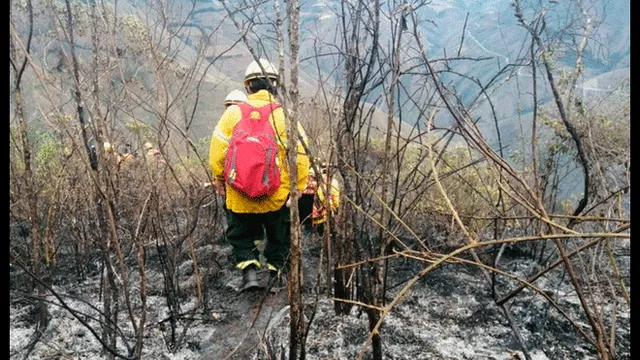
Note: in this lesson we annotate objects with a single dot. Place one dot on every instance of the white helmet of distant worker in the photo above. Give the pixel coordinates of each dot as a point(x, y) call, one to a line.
point(235, 97)
point(260, 69)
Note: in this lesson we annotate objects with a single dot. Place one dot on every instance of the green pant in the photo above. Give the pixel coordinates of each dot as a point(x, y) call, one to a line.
point(244, 229)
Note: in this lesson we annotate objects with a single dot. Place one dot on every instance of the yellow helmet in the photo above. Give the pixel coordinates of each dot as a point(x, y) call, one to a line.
point(148, 146)
point(234, 97)
point(255, 70)
point(107, 146)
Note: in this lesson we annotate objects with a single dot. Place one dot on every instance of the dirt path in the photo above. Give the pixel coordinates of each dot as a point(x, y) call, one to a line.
point(249, 316)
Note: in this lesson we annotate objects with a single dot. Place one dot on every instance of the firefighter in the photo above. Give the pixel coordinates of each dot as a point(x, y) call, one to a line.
point(249, 219)
point(153, 154)
point(321, 203)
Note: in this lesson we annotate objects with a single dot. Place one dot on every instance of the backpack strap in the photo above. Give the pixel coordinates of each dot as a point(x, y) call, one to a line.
point(266, 110)
point(245, 109)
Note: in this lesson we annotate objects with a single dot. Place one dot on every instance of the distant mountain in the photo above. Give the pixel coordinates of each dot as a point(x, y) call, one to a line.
point(491, 32)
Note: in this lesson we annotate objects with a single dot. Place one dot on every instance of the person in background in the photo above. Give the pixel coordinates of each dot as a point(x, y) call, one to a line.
point(153, 154)
point(108, 148)
point(110, 152)
point(305, 203)
point(234, 97)
point(320, 203)
point(125, 155)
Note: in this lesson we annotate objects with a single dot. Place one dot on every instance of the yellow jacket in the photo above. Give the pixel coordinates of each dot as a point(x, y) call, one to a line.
point(320, 215)
point(235, 200)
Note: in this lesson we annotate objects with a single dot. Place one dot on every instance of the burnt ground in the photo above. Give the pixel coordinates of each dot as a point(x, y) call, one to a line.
point(448, 314)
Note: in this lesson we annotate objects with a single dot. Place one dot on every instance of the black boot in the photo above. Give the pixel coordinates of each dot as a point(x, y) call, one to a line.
point(249, 278)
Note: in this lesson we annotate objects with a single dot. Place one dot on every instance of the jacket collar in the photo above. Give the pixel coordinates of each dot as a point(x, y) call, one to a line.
point(263, 95)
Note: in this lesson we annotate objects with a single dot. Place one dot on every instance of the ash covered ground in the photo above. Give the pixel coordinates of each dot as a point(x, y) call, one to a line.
point(448, 314)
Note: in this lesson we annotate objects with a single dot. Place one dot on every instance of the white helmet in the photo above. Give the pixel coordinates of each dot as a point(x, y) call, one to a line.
point(255, 71)
point(234, 97)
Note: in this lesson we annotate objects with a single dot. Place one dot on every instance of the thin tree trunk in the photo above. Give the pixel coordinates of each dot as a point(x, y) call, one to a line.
point(295, 275)
point(110, 289)
point(29, 177)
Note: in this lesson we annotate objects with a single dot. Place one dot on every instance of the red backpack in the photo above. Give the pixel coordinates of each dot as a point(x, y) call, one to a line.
point(251, 163)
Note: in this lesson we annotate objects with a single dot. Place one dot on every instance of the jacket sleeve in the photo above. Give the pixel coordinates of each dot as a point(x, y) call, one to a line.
point(220, 141)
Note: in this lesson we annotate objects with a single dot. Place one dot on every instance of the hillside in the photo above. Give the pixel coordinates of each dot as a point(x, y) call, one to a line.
point(202, 37)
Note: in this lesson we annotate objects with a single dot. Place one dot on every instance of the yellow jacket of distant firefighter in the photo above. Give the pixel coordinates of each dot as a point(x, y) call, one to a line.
point(320, 210)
